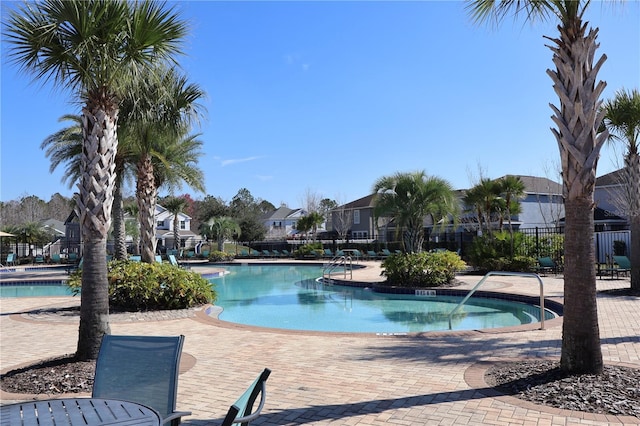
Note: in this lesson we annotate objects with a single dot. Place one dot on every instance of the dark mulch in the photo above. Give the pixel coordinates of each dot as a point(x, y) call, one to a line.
point(53, 376)
point(616, 391)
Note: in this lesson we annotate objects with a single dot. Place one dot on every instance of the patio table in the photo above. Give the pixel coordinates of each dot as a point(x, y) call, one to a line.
point(78, 411)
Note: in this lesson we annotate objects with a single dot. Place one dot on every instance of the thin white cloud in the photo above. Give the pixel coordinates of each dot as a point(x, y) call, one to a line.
point(237, 160)
point(264, 177)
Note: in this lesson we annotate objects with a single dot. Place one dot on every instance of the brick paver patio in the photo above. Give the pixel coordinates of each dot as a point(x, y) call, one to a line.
point(345, 379)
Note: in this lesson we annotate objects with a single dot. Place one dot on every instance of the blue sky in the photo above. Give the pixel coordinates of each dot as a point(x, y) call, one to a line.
point(326, 97)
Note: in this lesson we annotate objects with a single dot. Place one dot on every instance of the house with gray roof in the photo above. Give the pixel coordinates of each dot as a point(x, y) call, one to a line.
point(281, 223)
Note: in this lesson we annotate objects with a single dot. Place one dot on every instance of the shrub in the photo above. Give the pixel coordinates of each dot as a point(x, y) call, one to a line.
point(308, 250)
point(494, 253)
point(139, 286)
point(220, 256)
point(421, 269)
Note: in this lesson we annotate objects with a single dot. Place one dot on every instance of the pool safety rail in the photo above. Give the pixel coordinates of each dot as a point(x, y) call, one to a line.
point(337, 262)
point(503, 273)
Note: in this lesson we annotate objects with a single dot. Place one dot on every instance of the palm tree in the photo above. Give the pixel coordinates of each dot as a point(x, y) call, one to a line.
point(484, 199)
point(577, 120)
point(175, 206)
point(409, 198)
point(157, 113)
point(221, 228)
point(512, 189)
point(622, 119)
point(91, 47)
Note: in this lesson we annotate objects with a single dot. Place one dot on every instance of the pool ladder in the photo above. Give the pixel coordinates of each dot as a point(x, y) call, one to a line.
point(336, 262)
point(504, 273)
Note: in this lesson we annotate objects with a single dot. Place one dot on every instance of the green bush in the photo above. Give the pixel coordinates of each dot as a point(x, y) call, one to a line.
point(220, 256)
point(494, 253)
point(312, 249)
point(139, 286)
point(424, 269)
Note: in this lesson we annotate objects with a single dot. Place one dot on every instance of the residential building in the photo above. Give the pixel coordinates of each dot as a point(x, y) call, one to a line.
point(281, 223)
point(164, 230)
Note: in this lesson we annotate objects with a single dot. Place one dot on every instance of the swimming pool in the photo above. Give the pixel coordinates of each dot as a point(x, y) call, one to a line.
point(291, 297)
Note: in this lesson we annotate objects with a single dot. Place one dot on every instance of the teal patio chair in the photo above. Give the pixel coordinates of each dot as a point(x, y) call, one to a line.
point(546, 264)
point(11, 259)
point(142, 369)
point(623, 265)
point(241, 412)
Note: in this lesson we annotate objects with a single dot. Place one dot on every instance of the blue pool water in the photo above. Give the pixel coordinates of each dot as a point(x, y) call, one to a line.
point(290, 297)
point(35, 289)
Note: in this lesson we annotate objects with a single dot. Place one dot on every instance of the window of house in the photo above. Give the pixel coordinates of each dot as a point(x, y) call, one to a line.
point(356, 217)
point(183, 224)
point(160, 224)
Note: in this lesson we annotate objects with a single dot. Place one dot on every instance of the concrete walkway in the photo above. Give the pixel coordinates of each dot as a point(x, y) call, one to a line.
point(343, 379)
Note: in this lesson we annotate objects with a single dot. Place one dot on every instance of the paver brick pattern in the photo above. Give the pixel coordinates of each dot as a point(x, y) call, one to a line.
point(343, 379)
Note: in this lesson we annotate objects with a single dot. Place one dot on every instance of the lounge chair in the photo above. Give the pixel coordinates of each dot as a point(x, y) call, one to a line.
point(11, 259)
point(241, 410)
point(372, 255)
point(174, 261)
point(327, 254)
point(55, 258)
point(73, 258)
point(623, 265)
point(266, 253)
point(254, 253)
point(546, 264)
point(142, 369)
point(135, 258)
point(158, 258)
point(38, 259)
point(386, 253)
point(286, 253)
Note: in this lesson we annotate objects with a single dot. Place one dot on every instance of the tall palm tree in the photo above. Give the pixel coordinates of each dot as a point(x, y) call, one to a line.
point(577, 120)
point(175, 206)
point(622, 119)
point(409, 198)
point(158, 113)
point(91, 47)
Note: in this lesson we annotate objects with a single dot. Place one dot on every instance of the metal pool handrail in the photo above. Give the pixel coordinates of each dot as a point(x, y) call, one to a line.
point(343, 261)
point(504, 273)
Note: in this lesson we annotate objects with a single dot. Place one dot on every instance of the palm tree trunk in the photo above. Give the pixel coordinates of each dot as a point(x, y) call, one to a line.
point(580, 332)
point(176, 233)
point(146, 195)
point(119, 233)
point(94, 299)
point(632, 171)
point(99, 123)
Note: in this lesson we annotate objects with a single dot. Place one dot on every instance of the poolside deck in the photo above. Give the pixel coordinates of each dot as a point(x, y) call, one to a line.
point(342, 379)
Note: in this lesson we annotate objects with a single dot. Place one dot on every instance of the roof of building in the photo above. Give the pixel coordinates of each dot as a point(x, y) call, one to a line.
point(366, 201)
point(539, 185)
point(613, 178)
point(281, 213)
